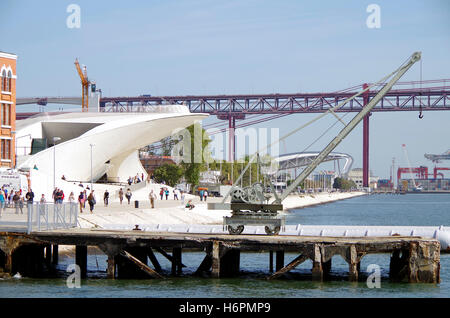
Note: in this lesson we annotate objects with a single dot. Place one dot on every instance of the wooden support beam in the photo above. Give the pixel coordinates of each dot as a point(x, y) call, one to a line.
point(166, 255)
point(317, 270)
point(423, 263)
point(216, 246)
point(353, 264)
point(111, 268)
point(48, 255)
point(154, 260)
point(55, 255)
point(81, 259)
point(294, 263)
point(230, 261)
point(271, 261)
point(279, 260)
point(141, 265)
point(176, 261)
point(205, 265)
point(326, 267)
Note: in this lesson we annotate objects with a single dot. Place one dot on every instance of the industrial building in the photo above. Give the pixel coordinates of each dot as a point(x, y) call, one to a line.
point(356, 175)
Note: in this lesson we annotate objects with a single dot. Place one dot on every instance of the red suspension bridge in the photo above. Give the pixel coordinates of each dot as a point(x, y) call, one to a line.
point(428, 95)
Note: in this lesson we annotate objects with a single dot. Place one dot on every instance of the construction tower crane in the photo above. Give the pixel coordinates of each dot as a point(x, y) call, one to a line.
point(250, 205)
point(84, 86)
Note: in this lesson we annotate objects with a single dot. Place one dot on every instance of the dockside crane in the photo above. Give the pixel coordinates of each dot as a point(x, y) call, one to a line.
point(84, 86)
point(250, 205)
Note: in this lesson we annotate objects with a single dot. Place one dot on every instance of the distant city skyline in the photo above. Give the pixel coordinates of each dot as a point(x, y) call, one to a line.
point(242, 47)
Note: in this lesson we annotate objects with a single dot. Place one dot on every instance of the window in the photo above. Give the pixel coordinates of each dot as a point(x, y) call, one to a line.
point(3, 78)
point(6, 114)
point(6, 146)
point(8, 82)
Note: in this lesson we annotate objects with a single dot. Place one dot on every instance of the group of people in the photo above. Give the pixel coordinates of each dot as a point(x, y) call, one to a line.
point(136, 179)
point(127, 195)
point(91, 200)
point(203, 194)
point(14, 199)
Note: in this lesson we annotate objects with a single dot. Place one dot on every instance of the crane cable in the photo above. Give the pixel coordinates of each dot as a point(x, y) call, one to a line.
point(420, 96)
point(383, 80)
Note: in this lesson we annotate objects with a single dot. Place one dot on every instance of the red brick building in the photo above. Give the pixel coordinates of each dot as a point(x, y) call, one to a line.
point(8, 108)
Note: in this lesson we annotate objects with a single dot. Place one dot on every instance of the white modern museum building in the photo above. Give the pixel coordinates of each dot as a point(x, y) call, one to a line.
point(67, 149)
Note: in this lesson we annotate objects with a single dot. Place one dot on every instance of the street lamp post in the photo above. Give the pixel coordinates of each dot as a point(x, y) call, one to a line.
point(55, 139)
point(91, 145)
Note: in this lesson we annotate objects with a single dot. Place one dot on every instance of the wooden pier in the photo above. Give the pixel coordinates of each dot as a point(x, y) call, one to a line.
point(413, 259)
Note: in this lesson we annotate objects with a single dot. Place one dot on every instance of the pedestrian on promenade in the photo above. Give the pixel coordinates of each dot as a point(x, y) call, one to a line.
point(29, 196)
point(121, 195)
point(84, 199)
point(161, 193)
point(182, 198)
point(205, 195)
point(2, 201)
point(42, 202)
point(81, 200)
point(201, 195)
point(167, 194)
point(152, 197)
point(71, 197)
point(16, 199)
point(21, 199)
point(128, 195)
point(175, 194)
point(91, 201)
point(106, 197)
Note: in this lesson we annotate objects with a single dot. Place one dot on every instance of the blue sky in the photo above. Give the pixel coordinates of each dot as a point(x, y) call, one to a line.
point(239, 47)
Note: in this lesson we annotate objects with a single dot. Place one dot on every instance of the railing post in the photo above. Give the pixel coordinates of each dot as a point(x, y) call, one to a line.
point(29, 218)
point(39, 217)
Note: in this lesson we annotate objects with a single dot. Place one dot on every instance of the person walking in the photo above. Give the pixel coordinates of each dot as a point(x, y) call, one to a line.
point(91, 201)
point(71, 198)
point(16, 199)
point(29, 196)
point(42, 202)
point(106, 197)
point(161, 193)
point(84, 199)
point(20, 203)
point(2, 202)
point(182, 198)
point(81, 200)
point(201, 195)
point(175, 194)
point(121, 195)
point(152, 198)
point(128, 195)
point(205, 195)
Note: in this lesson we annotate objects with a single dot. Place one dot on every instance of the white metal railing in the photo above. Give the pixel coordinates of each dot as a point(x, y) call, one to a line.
point(49, 216)
point(38, 217)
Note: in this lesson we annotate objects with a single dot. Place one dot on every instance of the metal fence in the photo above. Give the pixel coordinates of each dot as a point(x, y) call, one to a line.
point(39, 217)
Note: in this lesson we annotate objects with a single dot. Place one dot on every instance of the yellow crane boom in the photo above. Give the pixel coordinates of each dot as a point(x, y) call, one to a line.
point(84, 86)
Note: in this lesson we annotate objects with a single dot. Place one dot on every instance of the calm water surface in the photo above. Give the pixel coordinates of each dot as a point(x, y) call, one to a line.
point(413, 209)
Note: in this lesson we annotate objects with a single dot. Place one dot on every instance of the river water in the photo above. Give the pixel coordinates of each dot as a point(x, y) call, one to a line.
point(410, 209)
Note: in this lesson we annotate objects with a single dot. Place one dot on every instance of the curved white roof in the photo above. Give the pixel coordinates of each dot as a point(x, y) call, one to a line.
point(115, 140)
point(301, 159)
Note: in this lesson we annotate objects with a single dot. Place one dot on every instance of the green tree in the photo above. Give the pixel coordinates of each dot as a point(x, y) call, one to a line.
point(170, 173)
point(193, 168)
point(343, 184)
